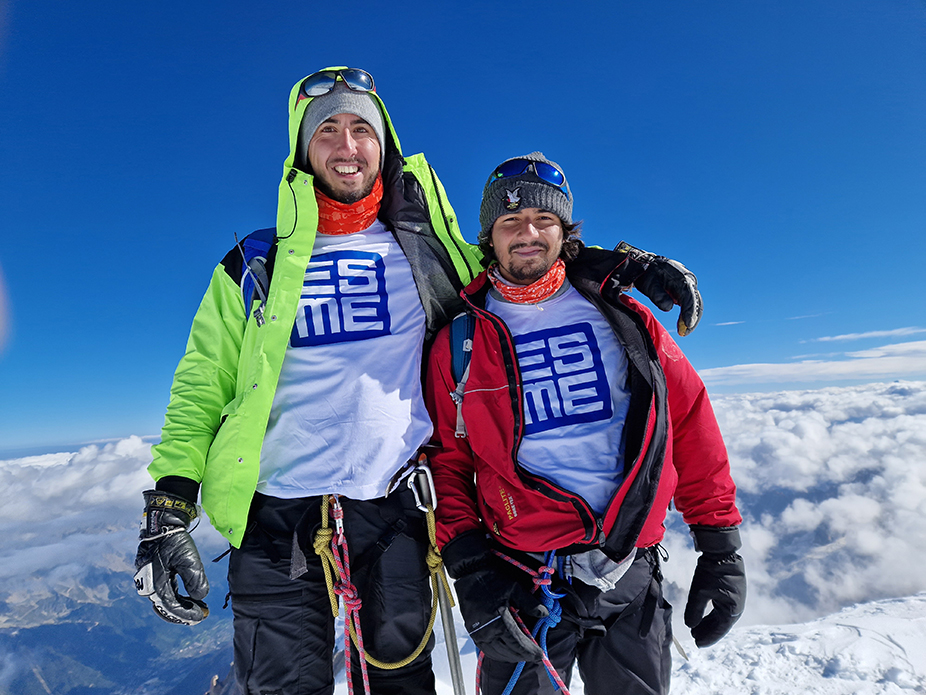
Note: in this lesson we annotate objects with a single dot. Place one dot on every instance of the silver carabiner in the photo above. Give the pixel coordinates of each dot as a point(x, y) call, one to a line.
point(424, 491)
point(337, 513)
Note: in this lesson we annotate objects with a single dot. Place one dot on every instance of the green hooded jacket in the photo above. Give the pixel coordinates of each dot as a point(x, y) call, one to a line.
point(224, 386)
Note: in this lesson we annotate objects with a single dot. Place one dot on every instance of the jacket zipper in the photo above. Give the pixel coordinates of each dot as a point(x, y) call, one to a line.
point(593, 525)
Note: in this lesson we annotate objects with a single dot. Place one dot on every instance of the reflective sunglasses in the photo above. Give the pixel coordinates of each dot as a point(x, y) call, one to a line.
point(322, 82)
point(516, 167)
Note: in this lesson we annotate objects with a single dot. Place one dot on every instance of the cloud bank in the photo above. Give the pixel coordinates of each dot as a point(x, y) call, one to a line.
point(831, 483)
point(68, 522)
point(832, 487)
point(894, 333)
point(899, 360)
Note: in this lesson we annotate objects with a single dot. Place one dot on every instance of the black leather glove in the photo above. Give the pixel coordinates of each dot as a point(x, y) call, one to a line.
point(665, 282)
point(487, 589)
point(720, 578)
point(166, 551)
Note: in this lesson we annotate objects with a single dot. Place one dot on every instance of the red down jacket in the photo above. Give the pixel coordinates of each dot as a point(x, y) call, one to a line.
point(674, 446)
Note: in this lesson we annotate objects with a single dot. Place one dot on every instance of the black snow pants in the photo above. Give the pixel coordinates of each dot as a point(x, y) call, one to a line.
point(620, 639)
point(284, 630)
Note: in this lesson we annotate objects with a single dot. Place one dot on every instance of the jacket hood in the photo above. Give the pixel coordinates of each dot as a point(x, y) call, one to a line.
point(297, 106)
point(297, 210)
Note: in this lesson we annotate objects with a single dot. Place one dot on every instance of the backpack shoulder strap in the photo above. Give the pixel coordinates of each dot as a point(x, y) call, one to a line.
point(462, 329)
point(257, 251)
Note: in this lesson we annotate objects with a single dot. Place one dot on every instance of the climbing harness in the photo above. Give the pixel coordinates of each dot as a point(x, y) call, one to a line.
point(331, 547)
point(543, 579)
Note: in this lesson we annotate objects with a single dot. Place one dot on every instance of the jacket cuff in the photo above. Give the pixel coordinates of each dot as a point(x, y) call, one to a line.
point(179, 486)
point(466, 553)
point(716, 540)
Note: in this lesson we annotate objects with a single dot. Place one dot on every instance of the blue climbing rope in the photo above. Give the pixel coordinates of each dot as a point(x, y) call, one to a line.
point(550, 599)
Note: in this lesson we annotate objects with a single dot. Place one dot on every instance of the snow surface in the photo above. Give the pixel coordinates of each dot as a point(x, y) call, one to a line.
point(831, 484)
point(877, 647)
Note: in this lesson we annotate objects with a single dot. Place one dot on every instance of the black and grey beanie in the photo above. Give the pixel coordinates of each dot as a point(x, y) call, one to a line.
point(341, 99)
point(526, 190)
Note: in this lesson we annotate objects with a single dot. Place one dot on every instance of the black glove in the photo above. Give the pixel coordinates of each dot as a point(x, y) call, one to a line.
point(165, 551)
point(487, 589)
point(665, 282)
point(720, 578)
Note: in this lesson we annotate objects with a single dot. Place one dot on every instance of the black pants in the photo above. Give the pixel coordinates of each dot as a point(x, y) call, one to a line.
point(284, 630)
point(620, 639)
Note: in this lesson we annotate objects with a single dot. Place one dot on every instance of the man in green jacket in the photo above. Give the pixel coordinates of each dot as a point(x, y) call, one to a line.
point(304, 399)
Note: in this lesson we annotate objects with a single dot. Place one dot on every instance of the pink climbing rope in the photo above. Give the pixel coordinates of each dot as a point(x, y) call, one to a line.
point(348, 593)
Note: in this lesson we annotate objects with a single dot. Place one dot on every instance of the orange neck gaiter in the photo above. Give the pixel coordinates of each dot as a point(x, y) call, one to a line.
point(344, 218)
point(537, 291)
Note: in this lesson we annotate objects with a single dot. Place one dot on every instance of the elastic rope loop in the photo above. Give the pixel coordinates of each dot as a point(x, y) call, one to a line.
point(163, 534)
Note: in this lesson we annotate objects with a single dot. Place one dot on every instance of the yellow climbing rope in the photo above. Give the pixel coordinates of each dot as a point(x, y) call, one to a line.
point(323, 548)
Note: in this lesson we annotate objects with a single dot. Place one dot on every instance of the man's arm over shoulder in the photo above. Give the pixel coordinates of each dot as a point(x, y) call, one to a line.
point(451, 457)
point(705, 493)
point(204, 382)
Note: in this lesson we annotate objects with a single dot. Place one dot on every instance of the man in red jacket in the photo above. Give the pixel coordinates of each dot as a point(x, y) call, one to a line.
point(558, 451)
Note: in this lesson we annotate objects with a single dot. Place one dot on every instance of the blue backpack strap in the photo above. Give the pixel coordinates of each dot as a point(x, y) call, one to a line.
point(462, 329)
point(255, 273)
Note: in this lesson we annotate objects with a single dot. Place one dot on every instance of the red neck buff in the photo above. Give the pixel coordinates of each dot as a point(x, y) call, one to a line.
point(537, 291)
point(347, 218)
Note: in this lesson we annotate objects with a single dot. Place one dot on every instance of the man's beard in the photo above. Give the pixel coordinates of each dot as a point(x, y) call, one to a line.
point(345, 197)
point(529, 272)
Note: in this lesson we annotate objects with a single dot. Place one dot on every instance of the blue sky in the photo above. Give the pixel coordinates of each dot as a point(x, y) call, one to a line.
point(777, 148)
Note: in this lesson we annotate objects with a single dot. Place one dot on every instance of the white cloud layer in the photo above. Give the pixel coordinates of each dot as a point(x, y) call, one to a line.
point(67, 522)
point(831, 483)
point(894, 333)
point(896, 361)
point(832, 487)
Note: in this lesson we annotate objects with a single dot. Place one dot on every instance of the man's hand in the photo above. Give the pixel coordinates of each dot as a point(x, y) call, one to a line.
point(720, 578)
point(487, 591)
point(166, 551)
point(665, 282)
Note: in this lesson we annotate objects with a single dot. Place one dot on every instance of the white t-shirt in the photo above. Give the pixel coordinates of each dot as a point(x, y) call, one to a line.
point(574, 374)
point(348, 410)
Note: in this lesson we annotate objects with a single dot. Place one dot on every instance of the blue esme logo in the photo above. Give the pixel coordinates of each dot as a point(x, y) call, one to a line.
point(563, 378)
point(343, 299)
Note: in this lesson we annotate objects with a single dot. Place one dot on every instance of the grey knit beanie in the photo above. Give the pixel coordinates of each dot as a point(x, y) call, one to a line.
point(341, 99)
point(525, 190)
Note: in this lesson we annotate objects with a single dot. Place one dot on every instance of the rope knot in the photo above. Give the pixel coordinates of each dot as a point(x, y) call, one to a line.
point(555, 614)
point(434, 560)
point(348, 593)
point(322, 540)
point(346, 590)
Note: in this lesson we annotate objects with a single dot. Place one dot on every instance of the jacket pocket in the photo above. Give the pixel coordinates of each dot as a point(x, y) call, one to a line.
point(230, 409)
